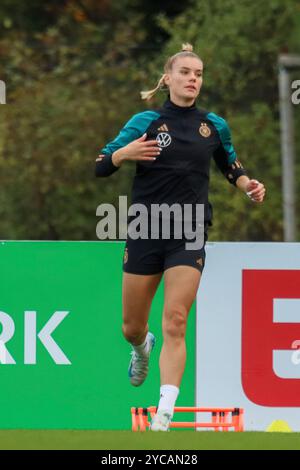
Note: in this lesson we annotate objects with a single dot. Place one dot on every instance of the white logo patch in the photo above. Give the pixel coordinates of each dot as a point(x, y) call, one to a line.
point(163, 139)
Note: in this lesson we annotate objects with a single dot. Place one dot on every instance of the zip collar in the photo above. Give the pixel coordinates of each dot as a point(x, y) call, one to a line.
point(168, 104)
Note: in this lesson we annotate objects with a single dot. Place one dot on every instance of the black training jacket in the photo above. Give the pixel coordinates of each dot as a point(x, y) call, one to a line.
point(189, 138)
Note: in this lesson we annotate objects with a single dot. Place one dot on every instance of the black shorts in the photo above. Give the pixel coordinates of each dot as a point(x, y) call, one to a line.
point(153, 256)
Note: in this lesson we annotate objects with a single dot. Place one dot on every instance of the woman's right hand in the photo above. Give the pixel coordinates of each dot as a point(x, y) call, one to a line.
point(137, 150)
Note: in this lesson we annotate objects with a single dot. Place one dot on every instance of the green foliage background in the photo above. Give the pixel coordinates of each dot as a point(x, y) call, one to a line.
point(74, 70)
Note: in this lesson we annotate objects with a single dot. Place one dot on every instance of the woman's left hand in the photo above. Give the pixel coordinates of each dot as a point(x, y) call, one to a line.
point(255, 190)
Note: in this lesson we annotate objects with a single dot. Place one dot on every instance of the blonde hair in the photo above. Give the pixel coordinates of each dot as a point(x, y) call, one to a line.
point(186, 51)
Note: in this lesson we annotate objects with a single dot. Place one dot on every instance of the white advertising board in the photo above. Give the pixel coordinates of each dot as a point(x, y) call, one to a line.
point(248, 331)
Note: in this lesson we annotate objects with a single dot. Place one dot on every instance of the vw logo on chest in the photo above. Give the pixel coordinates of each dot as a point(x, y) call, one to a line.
point(163, 139)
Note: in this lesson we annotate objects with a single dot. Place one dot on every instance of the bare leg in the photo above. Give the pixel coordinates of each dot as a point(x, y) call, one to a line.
point(181, 285)
point(137, 296)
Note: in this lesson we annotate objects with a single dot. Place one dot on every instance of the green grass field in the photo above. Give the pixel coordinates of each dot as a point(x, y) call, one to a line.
point(112, 440)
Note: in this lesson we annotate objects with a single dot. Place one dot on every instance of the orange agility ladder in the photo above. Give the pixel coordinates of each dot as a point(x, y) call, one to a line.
point(221, 418)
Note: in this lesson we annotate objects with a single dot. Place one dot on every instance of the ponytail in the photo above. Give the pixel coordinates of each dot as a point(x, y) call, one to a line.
point(147, 95)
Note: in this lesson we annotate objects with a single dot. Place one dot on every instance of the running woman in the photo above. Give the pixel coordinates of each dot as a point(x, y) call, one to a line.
point(172, 147)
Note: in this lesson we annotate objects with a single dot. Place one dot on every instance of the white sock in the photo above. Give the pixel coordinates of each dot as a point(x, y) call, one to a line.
point(142, 348)
point(168, 397)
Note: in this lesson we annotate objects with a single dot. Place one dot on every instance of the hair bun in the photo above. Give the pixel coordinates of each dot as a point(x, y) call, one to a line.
point(186, 47)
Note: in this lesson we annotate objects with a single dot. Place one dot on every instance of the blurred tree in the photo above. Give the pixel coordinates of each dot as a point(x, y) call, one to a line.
point(72, 84)
point(155, 35)
point(31, 16)
point(66, 101)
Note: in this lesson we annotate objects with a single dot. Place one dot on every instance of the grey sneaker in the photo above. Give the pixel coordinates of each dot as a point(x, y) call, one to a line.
point(139, 364)
point(161, 421)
